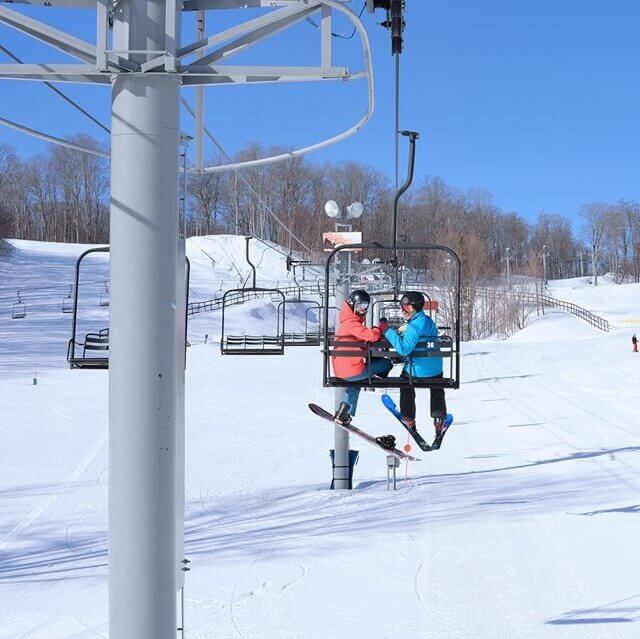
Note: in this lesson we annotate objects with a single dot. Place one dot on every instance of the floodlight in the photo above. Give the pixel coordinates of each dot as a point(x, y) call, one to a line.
point(355, 210)
point(332, 209)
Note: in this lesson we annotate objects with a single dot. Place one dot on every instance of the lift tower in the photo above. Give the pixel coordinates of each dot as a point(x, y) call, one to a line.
point(138, 54)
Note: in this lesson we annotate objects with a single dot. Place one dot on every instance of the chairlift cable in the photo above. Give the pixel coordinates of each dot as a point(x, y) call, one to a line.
point(397, 119)
point(57, 91)
point(220, 148)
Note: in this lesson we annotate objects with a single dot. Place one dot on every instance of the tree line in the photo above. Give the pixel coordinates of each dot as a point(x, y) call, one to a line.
point(62, 195)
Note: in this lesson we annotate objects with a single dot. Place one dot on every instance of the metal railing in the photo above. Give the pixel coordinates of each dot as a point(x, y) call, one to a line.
point(541, 300)
point(240, 297)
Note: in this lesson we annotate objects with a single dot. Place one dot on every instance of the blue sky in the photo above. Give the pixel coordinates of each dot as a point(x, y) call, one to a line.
point(535, 102)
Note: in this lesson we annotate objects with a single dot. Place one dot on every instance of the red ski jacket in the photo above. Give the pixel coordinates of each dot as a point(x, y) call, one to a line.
point(352, 329)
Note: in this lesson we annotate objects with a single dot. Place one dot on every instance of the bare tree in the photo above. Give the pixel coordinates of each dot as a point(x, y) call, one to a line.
point(594, 227)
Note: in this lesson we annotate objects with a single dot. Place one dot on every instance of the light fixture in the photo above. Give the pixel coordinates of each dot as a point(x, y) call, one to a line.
point(332, 209)
point(355, 210)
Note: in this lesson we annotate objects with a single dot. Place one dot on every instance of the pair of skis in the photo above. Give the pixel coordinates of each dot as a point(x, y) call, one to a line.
point(390, 405)
point(387, 443)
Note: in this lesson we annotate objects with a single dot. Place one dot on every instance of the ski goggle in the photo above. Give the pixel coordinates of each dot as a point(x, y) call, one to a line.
point(406, 308)
point(361, 307)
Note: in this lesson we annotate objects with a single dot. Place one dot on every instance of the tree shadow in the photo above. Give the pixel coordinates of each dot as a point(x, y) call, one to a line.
point(627, 509)
point(609, 613)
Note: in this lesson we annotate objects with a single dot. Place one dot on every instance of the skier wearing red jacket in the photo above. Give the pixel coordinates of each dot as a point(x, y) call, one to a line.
point(352, 329)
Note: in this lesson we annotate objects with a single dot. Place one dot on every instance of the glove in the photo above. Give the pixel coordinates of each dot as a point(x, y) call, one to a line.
point(383, 325)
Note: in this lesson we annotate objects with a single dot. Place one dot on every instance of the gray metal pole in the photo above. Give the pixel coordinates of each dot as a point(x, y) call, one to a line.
point(341, 436)
point(143, 368)
point(199, 119)
point(544, 265)
point(181, 335)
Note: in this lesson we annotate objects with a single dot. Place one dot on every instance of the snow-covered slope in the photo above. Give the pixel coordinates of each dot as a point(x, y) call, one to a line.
point(620, 304)
point(43, 273)
point(523, 525)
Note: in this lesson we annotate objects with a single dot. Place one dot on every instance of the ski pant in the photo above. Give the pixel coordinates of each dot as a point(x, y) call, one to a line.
point(408, 400)
point(379, 366)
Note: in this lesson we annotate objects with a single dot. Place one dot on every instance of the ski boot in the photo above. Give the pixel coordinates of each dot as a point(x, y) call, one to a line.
point(388, 442)
point(440, 428)
point(409, 423)
point(342, 415)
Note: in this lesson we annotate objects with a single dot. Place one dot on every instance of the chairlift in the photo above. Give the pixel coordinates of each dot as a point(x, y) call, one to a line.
point(19, 310)
point(309, 337)
point(265, 344)
point(446, 345)
point(95, 344)
point(104, 296)
point(67, 302)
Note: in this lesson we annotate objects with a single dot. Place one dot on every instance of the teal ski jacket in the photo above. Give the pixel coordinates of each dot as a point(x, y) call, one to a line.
point(420, 328)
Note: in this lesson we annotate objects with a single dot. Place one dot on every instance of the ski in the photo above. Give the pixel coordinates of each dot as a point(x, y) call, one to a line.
point(437, 442)
point(390, 405)
point(325, 414)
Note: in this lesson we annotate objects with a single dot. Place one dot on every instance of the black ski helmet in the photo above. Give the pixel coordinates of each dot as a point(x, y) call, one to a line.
point(359, 300)
point(414, 299)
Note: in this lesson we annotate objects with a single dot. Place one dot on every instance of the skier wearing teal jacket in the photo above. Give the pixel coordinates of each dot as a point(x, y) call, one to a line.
point(418, 327)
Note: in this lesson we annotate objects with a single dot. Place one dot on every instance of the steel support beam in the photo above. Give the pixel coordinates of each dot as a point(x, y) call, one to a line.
point(258, 35)
point(49, 35)
point(199, 117)
point(273, 17)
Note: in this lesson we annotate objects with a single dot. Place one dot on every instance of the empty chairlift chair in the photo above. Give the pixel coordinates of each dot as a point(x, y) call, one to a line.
point(309, 337)
point(94, 344)
point(19, 309)
point(67, 303)
point(104, 296)
point(268, 343)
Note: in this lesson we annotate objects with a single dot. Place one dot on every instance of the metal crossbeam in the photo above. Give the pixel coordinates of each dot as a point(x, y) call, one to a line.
point(274, 17)
point(54, 73)
point(49, 35)
point(258, 72)
point(77, 4)
point(201, 5)
point(258, 35)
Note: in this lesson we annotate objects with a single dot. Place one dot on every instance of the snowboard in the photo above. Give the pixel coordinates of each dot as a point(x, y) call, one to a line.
point(325, 414)
point(390, 405)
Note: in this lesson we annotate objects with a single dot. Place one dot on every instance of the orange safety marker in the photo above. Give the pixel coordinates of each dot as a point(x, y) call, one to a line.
point(407, 449)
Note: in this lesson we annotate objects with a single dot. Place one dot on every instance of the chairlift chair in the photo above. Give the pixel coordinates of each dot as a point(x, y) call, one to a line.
point(266, 344)
point(95, 345)
point(446, 345)
point(19, 309)
point(104, 296)
point(67, 303)
point(308, 338)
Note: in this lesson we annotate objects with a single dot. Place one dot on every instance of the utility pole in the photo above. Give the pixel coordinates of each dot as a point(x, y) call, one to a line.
point(544, 264)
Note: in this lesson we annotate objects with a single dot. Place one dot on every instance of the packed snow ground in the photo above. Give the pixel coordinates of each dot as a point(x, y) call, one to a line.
point(525, 524)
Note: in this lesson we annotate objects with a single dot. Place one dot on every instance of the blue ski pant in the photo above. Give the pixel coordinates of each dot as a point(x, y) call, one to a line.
point(379, 366)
